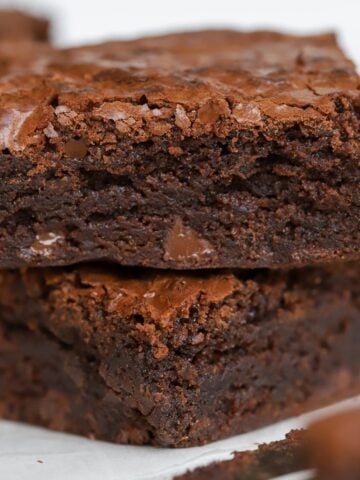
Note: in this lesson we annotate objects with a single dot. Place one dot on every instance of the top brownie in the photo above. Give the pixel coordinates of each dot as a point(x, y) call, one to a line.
point(16, 25)
point(194, 150)
point(333, 446)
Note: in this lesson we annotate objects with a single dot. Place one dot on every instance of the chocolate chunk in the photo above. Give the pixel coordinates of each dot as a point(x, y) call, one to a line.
point(76, 148)
point(44, 242)
point(267, 461)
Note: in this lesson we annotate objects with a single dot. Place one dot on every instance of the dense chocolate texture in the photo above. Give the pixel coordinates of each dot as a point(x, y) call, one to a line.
point(175, 360)
point(268, 461)
point(333, 446)
point(330, 447)
point(197, 150)
point(16, 25)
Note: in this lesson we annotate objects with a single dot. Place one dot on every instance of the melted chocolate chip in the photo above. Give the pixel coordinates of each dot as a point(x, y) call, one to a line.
point(182, 243)
point(76, 148)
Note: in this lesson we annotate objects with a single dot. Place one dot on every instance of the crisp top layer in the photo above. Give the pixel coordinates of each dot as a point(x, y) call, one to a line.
point(211, 82)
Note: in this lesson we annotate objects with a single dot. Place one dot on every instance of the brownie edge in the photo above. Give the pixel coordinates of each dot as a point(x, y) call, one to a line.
point(266, 462)
point(330, 447)
point(214, 149)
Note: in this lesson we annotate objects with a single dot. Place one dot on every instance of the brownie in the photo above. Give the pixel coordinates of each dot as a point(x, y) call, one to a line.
point(334, 447)
point(266, 462)
point(330, 447)
point(214, 149)
point(151, 357)
point(17, 25)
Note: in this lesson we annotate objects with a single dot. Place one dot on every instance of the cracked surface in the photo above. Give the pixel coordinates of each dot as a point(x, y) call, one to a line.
point(206, 149)
point(148, 357)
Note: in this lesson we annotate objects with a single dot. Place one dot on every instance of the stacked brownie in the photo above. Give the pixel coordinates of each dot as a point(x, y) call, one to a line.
point(180, 223)
point(19, 26)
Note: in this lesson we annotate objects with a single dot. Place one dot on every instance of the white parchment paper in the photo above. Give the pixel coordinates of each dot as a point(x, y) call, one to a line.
point(29, 453)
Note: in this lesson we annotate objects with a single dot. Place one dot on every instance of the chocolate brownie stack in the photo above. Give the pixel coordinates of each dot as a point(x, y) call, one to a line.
point(192, 202)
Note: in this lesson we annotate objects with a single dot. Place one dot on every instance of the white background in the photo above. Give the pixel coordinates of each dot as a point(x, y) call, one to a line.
point(79, 21)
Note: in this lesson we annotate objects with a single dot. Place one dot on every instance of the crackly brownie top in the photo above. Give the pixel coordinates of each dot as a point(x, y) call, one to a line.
point(177, 86)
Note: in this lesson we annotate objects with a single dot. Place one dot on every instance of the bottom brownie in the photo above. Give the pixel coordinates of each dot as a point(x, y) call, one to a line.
point(175, 360)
